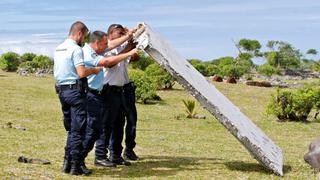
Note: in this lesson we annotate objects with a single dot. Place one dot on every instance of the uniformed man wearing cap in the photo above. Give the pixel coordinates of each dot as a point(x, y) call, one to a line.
point(93, 57)
point(116, 81)
point(70, 74)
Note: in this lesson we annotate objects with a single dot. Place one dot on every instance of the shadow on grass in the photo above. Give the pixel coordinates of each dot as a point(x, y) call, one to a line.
point(252, 167)
point(156, 166)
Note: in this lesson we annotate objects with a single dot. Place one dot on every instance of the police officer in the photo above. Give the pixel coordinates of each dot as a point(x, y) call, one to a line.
point(115, 81)
point(70, 74)
point(98, 43)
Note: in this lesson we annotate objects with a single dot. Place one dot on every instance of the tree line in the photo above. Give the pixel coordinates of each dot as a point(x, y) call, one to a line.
point(279, 56)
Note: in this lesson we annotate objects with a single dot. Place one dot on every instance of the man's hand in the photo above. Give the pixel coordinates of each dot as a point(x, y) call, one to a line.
point(133, 51)
point(130, 32)
point(135, 57)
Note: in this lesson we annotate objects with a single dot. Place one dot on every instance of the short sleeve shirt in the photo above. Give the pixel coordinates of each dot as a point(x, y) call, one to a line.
point(118, 74)
point(92, 59)
point(67, 56)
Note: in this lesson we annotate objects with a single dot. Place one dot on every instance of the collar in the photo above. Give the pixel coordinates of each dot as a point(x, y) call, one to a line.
point(71, 41)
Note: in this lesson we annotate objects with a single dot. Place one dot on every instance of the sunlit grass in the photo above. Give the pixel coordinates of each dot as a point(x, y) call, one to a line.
point(170, 148)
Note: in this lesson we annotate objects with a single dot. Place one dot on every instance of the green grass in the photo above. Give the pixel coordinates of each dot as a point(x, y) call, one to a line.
point(169, 148)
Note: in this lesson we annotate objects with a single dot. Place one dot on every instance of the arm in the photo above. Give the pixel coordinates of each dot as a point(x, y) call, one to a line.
point(82, 71)
point(117, 42)
point(113, 60)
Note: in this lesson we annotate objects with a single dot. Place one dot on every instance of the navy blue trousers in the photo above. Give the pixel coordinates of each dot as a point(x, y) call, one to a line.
point(119, 105)
point(113, 123)
point(96, 110)
point(131, 117)
point(74, 108)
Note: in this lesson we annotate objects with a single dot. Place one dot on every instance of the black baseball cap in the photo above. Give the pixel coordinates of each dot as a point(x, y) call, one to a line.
point(114, 26)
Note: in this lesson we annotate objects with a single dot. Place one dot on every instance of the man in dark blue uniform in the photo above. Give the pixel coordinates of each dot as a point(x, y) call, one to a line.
point(98, 43)
point(70, 74)
point(117, 88)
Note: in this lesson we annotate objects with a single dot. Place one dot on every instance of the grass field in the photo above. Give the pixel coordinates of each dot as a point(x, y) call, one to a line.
point(170, 148)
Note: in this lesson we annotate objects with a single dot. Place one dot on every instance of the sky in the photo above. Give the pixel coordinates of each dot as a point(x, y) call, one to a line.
point(202, 29)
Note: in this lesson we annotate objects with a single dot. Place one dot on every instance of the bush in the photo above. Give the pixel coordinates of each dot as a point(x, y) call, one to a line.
point(43, 62)
point(293, 105)
point(143, 62)
point(9, 61)
point(29, 66)
point(267, 70)
point(27, 57)
point(160, 77)
point(146, 89)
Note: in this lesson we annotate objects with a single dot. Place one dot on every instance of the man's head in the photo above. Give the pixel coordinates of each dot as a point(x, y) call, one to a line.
point(115, 31)
point(78, 31)
point(98, 41)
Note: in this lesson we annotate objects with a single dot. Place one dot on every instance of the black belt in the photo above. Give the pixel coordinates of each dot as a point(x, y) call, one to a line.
point(69, 86)
point(127, 86)
point(95, 92)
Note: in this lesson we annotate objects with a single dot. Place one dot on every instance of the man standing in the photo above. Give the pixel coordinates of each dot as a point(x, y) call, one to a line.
point(98, 43)
point(70, 74)
point(116, 81)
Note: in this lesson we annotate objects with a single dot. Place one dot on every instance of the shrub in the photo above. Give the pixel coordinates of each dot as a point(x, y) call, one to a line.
point(316, 99)
point(27, 57)
point(293, 105)
point(267, 70)
point(146, 89)
point(43, 62)
point(190, 105)
point(30, 66)
point(160, 77)
point(9, 61)
point(143, 62)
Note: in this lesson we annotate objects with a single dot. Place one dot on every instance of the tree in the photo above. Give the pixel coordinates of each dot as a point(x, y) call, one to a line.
point(248, 45)
point(9, 61)
point(283, 55)
point(312, 51)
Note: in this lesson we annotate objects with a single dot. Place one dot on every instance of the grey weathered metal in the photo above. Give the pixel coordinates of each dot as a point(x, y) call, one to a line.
point(260, 146)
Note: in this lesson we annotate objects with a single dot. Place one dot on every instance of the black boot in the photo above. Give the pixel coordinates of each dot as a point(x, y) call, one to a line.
point(66, 166)
point(104, 163)
point(75, 168)
point(84, 169)
point(118, 160)
point(129, 154)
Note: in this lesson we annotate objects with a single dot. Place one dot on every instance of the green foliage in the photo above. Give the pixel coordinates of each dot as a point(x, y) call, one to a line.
point(160, 77)
point(293, 105)
point(143, 62)
point(30, 66)
point(193, 62)
point(27, 57)
point(249, 45)
point(283, 55)
point(190, 106)
point(202, 68)
point(9, 61)
point(316, 66)
point(228, 66)
point(43, 62)
point(312, 51)
point(267, 70)
point(146, 89)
